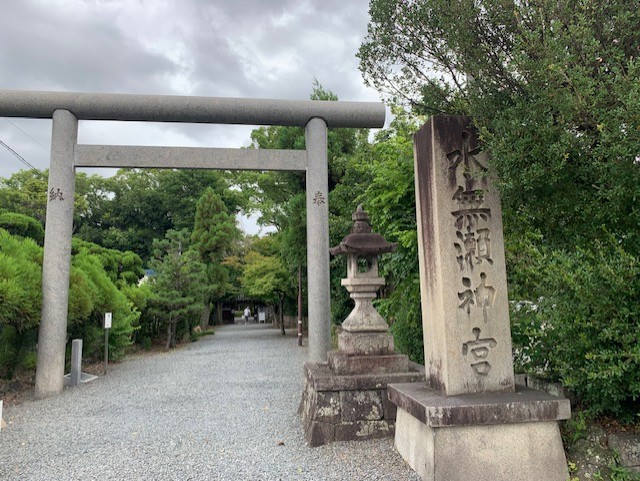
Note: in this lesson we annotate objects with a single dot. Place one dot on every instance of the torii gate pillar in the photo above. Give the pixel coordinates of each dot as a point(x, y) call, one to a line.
point(56, 263)
point(318, 240)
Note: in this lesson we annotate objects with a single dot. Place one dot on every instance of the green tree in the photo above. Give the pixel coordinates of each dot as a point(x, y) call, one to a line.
point(214, 237)
point(390, 200)
point(552, 86)
point(266, 278)
point(178, 285)
point(92, 293)
point(138, 206)
point(25, 192)
point(123, 268)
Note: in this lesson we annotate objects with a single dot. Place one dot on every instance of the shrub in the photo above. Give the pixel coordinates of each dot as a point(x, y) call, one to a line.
point(92, 294)
point(20, 283)
point(22, 225)
point(401, 309)
point(585, 328)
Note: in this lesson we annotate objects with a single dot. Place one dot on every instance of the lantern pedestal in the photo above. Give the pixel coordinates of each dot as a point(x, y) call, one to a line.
point(351, 407)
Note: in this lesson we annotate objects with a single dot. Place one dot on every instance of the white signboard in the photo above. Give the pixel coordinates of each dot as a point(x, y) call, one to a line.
point(107, 320)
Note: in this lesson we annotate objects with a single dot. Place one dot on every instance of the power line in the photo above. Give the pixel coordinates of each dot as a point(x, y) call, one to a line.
point(25, 133)
point(20, 158)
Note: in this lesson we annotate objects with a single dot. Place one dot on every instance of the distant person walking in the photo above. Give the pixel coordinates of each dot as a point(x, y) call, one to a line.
point(247, 313)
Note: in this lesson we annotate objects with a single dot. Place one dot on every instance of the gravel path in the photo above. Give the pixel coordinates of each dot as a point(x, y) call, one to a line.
point(224, 408)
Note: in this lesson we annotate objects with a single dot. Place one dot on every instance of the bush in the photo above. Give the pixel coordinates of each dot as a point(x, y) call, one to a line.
point(123, 268)
point(92, 294)
point(401, 309)
point(20, 283)
point(22, 225)
point(585, 328)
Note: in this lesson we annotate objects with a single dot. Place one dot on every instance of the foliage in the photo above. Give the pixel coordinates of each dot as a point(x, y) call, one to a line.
point(178, 285)
point(552, 86)
point(20, 280)
point(280, 196)
point(265, 277)
point(584, 328)
point(22, 225)
point(25, 192)
point(389, 198)
point(123, 268)
point(92, 293)
point(214, 237)
point(576, 428)
point(214, 230)
point(138, 206)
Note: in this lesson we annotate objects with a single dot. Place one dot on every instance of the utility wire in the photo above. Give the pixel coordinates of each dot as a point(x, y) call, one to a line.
point(20, 158)
point(25, 133)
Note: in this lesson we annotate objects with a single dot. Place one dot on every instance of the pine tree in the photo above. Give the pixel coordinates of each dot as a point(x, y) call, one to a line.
point(214, 237)
point(178, 285)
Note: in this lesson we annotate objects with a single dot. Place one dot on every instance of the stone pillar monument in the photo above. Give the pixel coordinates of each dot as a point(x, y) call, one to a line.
point(345, 398)
point(469, 421)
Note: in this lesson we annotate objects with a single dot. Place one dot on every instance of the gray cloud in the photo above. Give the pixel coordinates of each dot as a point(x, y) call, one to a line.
point(240, 48)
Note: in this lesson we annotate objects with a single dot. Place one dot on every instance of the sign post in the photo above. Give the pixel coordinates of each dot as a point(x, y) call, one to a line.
point(107, 326)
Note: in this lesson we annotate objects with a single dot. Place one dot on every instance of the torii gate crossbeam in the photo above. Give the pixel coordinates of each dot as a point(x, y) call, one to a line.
point(66, 109)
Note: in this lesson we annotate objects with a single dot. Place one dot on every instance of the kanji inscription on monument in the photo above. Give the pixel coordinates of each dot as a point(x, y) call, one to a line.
point(461, 248)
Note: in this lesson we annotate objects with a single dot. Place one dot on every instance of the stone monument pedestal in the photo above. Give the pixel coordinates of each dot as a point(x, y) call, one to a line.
point(469, 420)
point(484, 437)
point(348, 406)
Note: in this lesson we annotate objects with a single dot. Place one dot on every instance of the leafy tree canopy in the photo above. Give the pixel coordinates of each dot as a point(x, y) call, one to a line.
point(552, 86)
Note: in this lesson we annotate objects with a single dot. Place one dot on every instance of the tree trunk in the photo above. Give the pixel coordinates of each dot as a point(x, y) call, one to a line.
point(299, 304)
point(219, 312)
point(281, 307)
point(206, 314)
point(174, 328)
point(169, 333)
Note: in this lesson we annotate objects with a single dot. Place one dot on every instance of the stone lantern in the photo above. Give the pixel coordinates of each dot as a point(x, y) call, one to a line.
point(365, 332)
point(362, 248)
point(345, 398)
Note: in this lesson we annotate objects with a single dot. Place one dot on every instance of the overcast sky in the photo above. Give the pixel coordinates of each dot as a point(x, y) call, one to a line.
point(218, 48)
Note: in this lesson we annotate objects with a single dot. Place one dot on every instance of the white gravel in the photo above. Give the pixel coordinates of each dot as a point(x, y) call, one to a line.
point(224, 408)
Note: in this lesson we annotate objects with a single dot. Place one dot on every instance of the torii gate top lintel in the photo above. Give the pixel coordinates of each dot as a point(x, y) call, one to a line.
point(175, 108)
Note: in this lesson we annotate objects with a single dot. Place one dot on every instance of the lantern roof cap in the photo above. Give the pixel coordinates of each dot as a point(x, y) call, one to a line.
point(361, 240)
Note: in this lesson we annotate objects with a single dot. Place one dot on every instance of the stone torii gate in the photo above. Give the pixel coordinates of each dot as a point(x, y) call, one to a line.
point(66, 109)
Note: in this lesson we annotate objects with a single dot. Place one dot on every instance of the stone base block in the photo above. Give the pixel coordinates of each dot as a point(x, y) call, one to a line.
point(343, 364)
point(489, 437)
point(349, 407)
point(365, 343)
